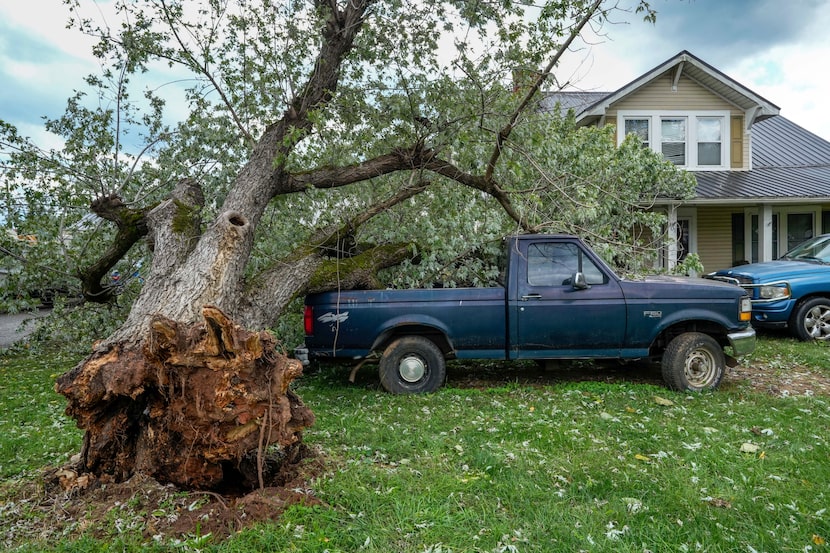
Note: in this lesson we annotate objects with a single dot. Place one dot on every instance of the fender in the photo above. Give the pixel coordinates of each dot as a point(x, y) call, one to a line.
point(431, 325)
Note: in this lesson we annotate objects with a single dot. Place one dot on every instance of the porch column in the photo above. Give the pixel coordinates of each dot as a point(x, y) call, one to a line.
point(671, 242)
point(765, 233)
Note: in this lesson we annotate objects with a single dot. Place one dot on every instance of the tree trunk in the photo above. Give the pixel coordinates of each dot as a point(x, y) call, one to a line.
point(206, 404)
point(200, 406)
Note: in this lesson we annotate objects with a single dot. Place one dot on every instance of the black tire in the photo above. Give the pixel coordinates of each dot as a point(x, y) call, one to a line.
point(412, 365)
point(811, 320)
point(693, 362)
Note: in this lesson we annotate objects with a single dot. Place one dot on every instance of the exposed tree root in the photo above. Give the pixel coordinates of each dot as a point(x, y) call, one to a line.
point(194, 405)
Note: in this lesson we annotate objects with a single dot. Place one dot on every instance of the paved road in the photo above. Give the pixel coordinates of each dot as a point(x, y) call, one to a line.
point(10, 325)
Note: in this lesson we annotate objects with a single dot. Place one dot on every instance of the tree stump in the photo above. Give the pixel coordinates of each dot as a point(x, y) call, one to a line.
point(192, 405)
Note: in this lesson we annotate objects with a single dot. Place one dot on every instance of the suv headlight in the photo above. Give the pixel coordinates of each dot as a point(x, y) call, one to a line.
point(779, 291)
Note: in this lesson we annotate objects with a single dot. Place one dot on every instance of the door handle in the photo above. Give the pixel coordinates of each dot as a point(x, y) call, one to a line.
point(531, 297)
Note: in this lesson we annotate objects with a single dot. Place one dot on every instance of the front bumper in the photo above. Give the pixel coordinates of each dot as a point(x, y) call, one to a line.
point(772, 314)
point(742, 342)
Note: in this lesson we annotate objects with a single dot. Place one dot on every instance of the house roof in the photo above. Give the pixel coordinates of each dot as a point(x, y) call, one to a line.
point(778, 142)
point(789, 164)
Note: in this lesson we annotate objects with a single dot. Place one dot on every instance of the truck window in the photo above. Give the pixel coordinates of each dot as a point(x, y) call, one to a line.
point(554, 264)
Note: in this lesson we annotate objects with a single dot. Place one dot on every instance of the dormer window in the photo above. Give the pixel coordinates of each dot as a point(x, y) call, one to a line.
point(693, 140)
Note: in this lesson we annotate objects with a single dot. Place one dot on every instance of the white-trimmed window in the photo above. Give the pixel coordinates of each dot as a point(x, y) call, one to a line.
point(639, 127)
point(710, 141)
point(673, 139)
point(694, 140)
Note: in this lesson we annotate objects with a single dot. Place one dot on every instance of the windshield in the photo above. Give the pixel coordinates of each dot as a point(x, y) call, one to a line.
point(815, 249)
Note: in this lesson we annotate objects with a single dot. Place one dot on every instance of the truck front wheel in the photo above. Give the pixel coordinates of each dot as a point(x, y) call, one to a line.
point(811, 320)
point(693, 362)
point(412, 365)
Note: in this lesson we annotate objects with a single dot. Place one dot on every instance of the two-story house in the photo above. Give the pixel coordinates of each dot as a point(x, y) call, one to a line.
point(763, 182)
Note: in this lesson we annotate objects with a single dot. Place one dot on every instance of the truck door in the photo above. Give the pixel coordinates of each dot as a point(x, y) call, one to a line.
point(551, 316)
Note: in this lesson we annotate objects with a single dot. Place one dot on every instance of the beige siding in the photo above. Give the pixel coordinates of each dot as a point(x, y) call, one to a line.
point(658, 94)
point(714, 237)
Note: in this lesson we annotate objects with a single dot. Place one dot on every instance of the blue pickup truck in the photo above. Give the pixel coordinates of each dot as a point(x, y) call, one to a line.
point(559, 301)
point(791, 292)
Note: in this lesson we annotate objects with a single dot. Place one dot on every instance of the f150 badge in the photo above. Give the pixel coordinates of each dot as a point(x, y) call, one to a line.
point(333, 317)
point(653, 314)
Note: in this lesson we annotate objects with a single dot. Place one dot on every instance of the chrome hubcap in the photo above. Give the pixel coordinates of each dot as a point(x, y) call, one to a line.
point(817, 322)
point(412, 368)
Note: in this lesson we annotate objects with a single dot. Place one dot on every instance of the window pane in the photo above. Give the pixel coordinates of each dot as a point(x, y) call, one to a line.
point(673, 130)
point(708, 153)
point(683, 238)
point(738, 257)
point(799, 228)
point(709, 133)
point(551, 264)
point(554, 264)
point(676, 153)
point(638, 127)
point(673, 137)
point(754, 230)
point(709, 129)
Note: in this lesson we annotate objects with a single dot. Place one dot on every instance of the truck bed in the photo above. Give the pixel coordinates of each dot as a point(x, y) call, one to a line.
point(474, 319)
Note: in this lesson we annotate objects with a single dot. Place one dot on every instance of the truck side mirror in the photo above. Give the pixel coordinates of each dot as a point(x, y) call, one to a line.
point(579, 282)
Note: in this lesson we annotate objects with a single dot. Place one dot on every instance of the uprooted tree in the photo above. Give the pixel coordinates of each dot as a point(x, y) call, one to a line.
point(325, 140)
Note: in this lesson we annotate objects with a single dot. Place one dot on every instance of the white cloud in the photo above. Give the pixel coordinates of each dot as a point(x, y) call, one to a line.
point(778, 50)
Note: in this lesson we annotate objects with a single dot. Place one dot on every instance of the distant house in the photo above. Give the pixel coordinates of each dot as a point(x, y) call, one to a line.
point(763, 182)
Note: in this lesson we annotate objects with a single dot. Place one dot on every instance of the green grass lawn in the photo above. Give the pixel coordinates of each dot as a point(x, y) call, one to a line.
point(508, 467)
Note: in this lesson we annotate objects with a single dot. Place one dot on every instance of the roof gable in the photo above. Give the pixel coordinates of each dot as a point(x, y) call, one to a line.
point(590, 106)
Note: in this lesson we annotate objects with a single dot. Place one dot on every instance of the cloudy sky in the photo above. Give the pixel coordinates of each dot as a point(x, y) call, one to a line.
point(779, 49)
point(776, 48)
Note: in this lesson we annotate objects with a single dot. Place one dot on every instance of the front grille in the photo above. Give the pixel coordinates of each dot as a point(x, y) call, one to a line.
point(738, 280)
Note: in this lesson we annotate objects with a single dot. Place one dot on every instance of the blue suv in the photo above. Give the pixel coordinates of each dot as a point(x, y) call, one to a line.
point(791, 292)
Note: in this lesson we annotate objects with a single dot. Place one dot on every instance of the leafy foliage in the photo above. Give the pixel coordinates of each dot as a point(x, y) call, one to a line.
point(440, 75)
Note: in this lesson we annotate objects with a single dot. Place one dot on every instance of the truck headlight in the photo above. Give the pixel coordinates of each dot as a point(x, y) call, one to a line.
point(774, 291)
point(746, 309)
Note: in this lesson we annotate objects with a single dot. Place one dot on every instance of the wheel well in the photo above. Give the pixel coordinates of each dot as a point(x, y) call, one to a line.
point(714, 330)
point(813, 296)
point(431, 333)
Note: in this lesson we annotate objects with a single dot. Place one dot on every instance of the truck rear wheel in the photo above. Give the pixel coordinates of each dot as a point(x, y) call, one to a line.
point(412, 365)
point(811, 320)
point(693, 362)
